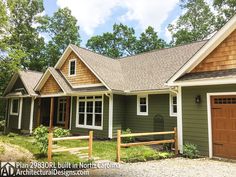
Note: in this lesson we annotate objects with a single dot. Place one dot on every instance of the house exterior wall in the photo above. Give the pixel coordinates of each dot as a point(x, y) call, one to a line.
point(158, 118)
point(26, 107)
point(195, 125)
point(84, 131)
point(221, 58)
point(50, 86)
point(83, 74)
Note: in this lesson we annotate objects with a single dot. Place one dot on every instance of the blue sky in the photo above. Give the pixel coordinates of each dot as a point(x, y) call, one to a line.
point(98, 16)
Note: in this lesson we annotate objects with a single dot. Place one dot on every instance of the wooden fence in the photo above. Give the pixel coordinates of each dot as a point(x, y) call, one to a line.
point(120, 145)
point(51, 139)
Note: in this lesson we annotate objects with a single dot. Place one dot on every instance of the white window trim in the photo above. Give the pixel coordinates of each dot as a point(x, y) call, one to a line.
point(58, 104)
point(13, 113)
point(172, 114)
point(77, 112)
point(138, 105)
point(71, 60)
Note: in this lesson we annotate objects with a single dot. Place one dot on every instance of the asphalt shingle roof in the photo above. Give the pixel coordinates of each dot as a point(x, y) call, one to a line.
point(146, 71)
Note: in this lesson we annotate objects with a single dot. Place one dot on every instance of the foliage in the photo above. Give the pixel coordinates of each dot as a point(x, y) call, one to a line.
point(190, 151)
point(12, 134)
point(41, 137)
point(60, 132)
point(2, 124)
point(123, 42)
point(195, 24)
point(127, 139)
point(62, 29)
point(149, 40)
point(226, 9)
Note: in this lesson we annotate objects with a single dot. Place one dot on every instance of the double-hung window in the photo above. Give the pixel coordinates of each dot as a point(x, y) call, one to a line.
point(142, 105)
point(72, 67)
point(14, 106)
point(173, 105)
point(90, 112)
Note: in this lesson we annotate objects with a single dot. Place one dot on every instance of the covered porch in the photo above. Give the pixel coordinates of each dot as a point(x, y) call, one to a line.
point(54, 112)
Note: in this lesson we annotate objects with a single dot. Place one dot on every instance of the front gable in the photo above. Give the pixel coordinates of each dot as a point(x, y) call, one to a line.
point(223, 57)
point(16, 85)
point(83, 75)
point(50, 87)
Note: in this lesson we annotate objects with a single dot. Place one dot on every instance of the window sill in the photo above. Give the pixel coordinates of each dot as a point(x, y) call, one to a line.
point(14, 114)
point(173, 115)
point(142, 114)
point(89, 127)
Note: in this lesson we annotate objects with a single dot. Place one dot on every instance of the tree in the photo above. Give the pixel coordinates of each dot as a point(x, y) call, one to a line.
point(62, 30)
point(149, 40)
point(23, 36)
point(3, 24)
point(121, 42)
point(197, 23)
point(226, 10)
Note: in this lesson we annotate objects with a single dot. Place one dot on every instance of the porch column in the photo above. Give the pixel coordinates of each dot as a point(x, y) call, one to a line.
point(39, 113)
point(51, 113)
point(31, 115)
point(67, 112)
point(179, 119)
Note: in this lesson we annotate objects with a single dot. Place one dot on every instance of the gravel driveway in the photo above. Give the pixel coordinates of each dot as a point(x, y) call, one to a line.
point(177, 167)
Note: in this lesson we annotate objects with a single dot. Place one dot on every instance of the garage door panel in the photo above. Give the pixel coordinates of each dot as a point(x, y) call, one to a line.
point(223, 109)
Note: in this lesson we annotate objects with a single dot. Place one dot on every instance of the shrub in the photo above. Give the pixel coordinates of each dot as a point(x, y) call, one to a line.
point(2, 125)
point(60, 132)
point(190, 151)
point(41, 136)
point(127, 139)
point(12, 134)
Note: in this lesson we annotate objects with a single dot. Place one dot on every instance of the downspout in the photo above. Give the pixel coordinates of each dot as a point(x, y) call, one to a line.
point(110, 127)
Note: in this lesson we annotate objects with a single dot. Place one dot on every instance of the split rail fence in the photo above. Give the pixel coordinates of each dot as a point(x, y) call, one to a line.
point(121, 145)
point(51, 140)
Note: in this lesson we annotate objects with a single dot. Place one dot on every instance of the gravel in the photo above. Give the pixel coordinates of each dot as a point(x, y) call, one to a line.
point(177, 167)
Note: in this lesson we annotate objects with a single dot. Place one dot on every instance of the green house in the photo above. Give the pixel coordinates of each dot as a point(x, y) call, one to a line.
point(191, 87)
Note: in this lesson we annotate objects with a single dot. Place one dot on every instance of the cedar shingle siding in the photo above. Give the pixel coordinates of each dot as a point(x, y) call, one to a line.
point(83, 74)
point(50, 86)
point(223, 57)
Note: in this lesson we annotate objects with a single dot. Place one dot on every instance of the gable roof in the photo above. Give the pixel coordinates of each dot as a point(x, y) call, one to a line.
point(222, 34)
point(29, 79)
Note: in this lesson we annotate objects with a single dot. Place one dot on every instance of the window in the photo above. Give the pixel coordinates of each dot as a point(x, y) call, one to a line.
point(90, 112)
point(142, 105)
point(14, 106)
point(173, 105)
point(72, 67)
point(61, 110)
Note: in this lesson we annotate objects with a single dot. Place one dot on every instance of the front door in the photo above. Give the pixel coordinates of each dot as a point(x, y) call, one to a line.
point(61, 110)
point(223, 110)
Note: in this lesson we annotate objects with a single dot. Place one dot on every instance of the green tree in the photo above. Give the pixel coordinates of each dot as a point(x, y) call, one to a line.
point(149, 40)
point(120, 42)
point(23, 36)
point(195, 24)
point(226, 10)
point(3, 24)
point(62, 30)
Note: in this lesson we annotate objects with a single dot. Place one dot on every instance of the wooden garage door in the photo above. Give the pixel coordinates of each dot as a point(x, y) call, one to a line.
point(223, 110)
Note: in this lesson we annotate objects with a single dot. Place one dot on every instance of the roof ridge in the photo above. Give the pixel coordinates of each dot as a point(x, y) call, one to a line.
point(143, 53)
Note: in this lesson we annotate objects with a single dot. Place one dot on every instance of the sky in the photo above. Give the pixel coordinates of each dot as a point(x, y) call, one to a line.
point(98, 16)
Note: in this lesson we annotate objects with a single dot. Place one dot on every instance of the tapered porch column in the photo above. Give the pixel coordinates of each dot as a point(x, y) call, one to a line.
point(67, 112)
point(51, 113)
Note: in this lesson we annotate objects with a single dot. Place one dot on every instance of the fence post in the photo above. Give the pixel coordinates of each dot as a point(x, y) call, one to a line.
point(118, 145)
point(50, 135)
point(176, 142)
point(90, 144)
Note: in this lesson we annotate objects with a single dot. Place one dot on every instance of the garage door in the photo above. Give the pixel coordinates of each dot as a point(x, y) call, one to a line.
point(223, 110)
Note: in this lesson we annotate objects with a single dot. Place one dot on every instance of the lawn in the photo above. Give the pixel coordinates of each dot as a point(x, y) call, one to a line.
point(104, 150)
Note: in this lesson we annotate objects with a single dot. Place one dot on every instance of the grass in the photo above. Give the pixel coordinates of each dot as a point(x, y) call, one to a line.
point(104, 150)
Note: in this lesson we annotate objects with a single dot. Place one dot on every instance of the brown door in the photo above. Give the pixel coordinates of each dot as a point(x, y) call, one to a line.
point(223, 110)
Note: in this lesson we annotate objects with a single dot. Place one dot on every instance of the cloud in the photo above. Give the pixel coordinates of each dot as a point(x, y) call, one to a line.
point(93, 13)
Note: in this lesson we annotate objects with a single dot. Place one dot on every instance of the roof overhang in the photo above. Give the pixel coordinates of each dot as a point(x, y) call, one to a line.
point(223, 33)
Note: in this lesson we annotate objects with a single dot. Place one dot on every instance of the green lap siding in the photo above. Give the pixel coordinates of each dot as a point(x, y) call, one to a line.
point(97, 133)
point(195, 123)
point(26, 107)
point(119, 108)
point(158, 118)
